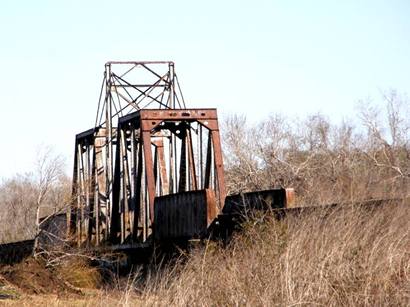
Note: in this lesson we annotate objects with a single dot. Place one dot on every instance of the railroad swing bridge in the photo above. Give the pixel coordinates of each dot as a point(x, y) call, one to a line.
point(150, 169)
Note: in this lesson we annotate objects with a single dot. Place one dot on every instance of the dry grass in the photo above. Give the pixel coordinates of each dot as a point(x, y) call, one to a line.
point(349, 257)
point(78, 273)
point(90, 298)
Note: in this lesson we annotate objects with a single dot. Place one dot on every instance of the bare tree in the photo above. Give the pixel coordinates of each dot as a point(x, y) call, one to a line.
point(49, 170)
point(17, 208)
point(26, 200)
point(323, 161)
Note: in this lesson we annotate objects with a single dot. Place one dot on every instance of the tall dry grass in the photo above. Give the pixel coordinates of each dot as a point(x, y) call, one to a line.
point(350, 257)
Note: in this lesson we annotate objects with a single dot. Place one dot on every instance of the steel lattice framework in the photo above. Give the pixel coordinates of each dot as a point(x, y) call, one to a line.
point(145, 144)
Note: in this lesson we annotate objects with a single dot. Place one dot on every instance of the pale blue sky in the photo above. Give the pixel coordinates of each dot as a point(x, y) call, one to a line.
point(250, 57)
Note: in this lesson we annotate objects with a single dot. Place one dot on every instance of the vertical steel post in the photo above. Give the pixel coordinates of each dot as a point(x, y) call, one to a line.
point(109, 157)
point(172, 84)
point(149, 171)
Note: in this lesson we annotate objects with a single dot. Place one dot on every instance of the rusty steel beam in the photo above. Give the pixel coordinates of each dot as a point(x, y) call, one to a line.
point(245, 203)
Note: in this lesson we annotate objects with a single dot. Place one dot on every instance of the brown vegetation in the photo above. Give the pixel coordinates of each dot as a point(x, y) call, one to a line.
point(350, 257)
point(345, 257)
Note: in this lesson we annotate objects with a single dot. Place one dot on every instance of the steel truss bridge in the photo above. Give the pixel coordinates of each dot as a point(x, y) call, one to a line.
point(145, 144)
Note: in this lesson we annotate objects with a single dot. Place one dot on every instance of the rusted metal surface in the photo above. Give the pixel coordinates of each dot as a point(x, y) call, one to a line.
point(91, 211)
point(145, 144)
point(260, 200)
point(165, 142)
point(240, 207)
point(16, 251)
point(290, 198)
point(184, 215)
